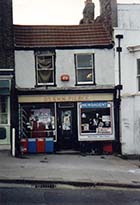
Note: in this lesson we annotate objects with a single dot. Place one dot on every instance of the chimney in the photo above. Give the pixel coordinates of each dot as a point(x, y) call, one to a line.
point(108, 13)
point(88, 13)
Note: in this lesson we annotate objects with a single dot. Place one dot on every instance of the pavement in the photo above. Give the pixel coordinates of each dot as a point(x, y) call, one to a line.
point(74, 169)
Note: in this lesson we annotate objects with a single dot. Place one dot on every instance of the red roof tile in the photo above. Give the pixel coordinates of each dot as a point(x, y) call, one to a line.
point(91, 35)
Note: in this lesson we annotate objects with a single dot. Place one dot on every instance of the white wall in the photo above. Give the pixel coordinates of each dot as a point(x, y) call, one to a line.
point(131, 125)
point(104, 67)
point(129, 27)
point(128, 60)
point(129, 16)
point(25, 69)
point(104, 63)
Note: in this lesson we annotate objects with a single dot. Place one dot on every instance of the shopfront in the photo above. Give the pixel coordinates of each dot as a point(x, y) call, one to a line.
point(5, 126)
point(66, 119)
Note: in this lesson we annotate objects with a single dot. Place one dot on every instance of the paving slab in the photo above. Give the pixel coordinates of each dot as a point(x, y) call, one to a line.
point(70, 168)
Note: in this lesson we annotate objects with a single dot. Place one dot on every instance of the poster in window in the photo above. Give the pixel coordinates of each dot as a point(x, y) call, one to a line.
point(42, 117)
point(66, 120)
point(96, 118)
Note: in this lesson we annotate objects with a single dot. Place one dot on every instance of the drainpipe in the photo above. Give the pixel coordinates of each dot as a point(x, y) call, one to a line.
point(119, 87)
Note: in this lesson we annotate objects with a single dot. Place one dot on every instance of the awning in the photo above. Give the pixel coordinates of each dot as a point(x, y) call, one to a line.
point(4, 87)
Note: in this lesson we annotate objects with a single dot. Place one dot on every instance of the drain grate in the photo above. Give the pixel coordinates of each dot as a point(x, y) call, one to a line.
point(136, 182)
point(49, 186)
point(43, 161)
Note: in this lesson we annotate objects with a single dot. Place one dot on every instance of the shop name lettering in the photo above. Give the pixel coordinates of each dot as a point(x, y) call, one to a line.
point(68, 98)
point(95, 105)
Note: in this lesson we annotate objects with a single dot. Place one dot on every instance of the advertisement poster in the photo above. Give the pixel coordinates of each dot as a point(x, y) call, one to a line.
point(42, 117)
point(96, 120)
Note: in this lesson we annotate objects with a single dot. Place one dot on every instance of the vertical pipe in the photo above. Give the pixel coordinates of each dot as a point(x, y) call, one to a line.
point(119, 88)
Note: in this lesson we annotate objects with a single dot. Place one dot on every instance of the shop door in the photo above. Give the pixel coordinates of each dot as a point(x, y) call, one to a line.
point(67, 126)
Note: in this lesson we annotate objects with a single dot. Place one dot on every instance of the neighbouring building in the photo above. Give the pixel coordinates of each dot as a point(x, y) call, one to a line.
point(6, 73)
point(129, 28)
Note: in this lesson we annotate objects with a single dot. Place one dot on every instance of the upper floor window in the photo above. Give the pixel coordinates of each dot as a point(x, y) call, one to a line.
point(45, 68)
point(84, 68)
point(138, 73)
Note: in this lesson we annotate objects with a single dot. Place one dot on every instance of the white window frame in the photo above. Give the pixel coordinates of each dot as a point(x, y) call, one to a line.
point(84, 68)
point(45, 69)
point(8, 112)
point(138, 75)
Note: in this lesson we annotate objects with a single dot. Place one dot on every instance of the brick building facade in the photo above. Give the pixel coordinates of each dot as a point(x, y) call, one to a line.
point(6, 35)
point(6, 73)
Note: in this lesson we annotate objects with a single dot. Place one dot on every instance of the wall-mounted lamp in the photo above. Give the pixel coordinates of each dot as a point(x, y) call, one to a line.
point(65, 77)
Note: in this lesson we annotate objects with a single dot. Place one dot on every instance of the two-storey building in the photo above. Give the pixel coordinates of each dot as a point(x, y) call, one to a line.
point(65, 84)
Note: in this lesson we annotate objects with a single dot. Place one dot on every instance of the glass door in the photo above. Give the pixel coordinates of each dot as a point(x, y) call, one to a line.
point(67, 126)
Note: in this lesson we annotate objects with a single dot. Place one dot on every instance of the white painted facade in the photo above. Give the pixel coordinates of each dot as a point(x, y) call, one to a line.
point(129, 27)
point(25, 67)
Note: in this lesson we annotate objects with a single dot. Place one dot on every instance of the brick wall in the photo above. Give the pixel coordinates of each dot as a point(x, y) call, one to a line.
point(6, 35)
point(108, 13)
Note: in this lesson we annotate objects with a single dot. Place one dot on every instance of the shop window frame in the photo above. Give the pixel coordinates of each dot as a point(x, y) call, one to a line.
point(4, 106)
point(95, 136)
point(25, 124)
point(85, 68)
point(3, 135)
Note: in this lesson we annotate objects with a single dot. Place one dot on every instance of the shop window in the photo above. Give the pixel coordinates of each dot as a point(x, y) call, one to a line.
point(138, 73)
point(84, 68)
point(96, 118)
point(3, 109)
point(2, 133)
point(45, 65)
point(37, 121)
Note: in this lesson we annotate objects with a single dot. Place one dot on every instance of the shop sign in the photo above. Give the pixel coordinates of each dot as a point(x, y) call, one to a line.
point(68, 98)
point(95, 105)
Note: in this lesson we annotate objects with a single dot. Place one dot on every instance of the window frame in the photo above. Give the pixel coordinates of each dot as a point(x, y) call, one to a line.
point(45, 69)
point(92, 82)
point(99, 135)
point(6, 107)
point(26, 123)
point(138, 74)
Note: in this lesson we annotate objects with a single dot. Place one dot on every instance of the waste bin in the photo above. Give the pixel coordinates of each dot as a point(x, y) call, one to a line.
point(49, 145)
point(32, 145)
point(40, 145)
point(24, 145)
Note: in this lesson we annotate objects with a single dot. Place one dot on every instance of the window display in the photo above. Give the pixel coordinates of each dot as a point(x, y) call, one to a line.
point(96, 118)
point(37, 121)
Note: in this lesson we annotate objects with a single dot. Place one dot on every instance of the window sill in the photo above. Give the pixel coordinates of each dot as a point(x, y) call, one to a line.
point(45, 85)
point(85, 84)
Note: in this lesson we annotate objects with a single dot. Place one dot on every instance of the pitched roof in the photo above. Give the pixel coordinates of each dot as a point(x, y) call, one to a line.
point(52, 36)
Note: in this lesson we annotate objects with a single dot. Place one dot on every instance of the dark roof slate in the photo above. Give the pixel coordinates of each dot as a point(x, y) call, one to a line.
point(53, 36)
